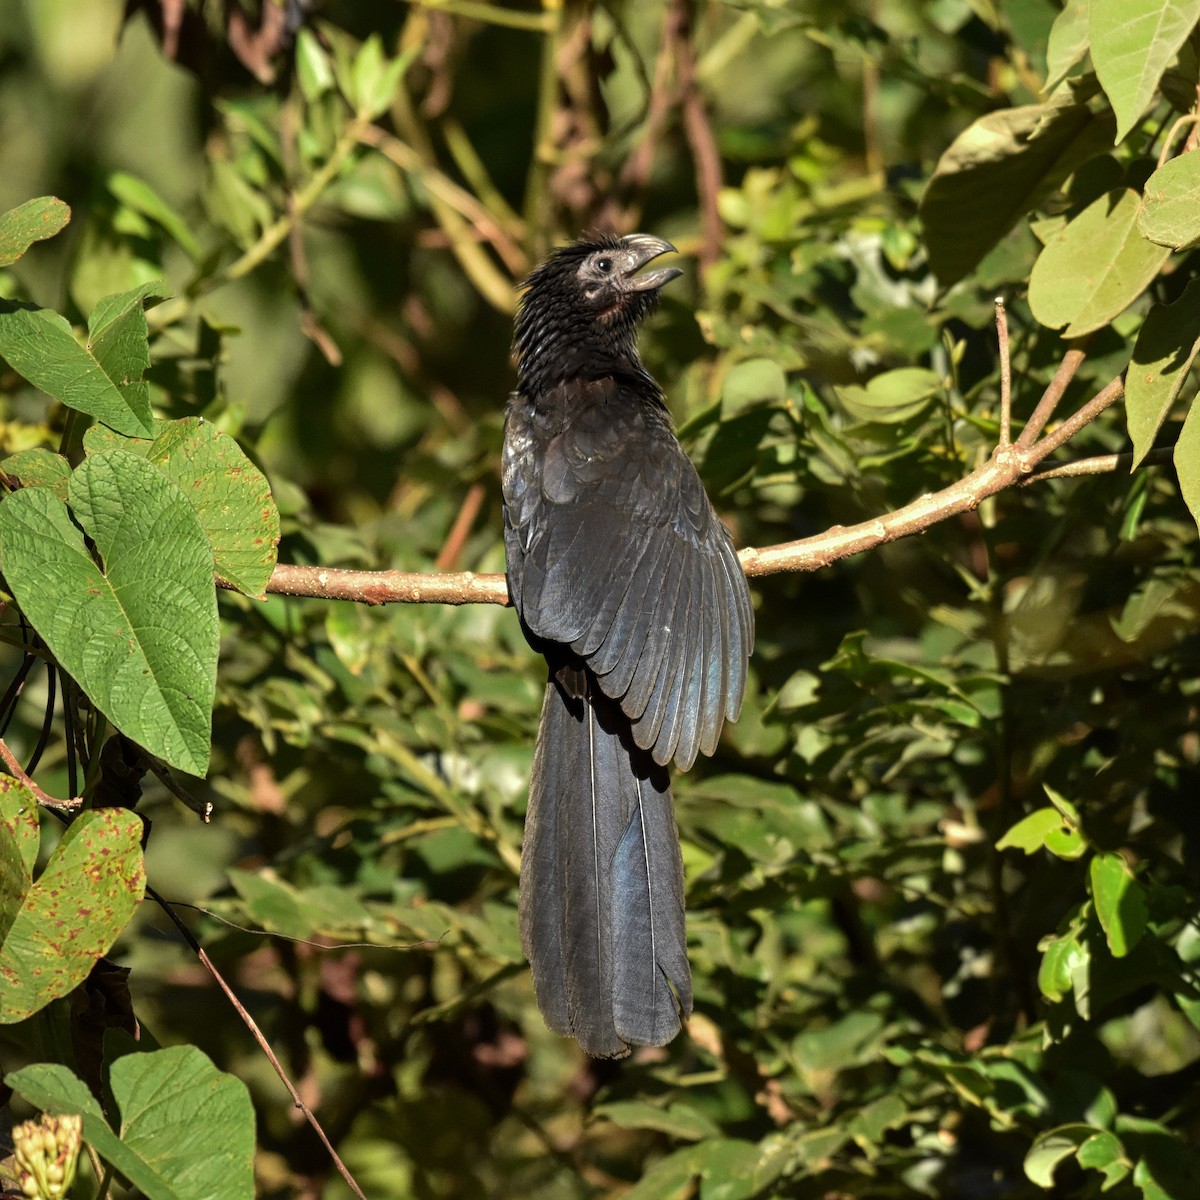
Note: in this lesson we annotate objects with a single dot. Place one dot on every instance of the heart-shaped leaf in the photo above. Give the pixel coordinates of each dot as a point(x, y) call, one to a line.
point(139, 636)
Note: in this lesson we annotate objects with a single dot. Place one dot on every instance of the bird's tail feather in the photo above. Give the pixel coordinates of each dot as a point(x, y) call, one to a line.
point(602, 913)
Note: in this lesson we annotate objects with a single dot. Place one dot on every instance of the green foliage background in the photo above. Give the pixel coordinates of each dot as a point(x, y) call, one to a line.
point(941, 874)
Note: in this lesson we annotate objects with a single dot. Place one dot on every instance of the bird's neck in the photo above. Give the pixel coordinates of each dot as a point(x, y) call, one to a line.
point(557, 356)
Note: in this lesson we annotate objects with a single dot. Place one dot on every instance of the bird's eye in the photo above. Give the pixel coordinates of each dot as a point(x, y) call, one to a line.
point(604, 265)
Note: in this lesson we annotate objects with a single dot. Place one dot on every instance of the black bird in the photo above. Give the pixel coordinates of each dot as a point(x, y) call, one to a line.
point(627, 582)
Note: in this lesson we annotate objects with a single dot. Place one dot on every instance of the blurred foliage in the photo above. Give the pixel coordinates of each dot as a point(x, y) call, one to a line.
point(942, 873)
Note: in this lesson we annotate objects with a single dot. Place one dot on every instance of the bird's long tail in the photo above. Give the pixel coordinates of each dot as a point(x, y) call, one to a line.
point(602, 912)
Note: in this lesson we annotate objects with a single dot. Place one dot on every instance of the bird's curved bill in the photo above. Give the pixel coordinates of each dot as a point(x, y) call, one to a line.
point(640, 249)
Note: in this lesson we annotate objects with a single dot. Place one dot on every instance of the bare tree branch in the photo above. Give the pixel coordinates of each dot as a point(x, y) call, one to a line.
point(1011, 464)
point(1052, 395)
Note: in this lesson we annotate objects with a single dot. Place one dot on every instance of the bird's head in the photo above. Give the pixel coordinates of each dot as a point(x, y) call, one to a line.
point(580, 310)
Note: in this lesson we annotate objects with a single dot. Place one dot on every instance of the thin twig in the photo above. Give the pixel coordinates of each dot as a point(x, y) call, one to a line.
point(1108, 396)
point(257, 1034)
point(440, 186)
point(1005, 373)
point(1051, 396)
point(635, 173)
point(459, 531)
point(493, 14)
point(44, 798)
point(1101, 464)
point(537, 180)
point(310, 323)
point(47, 719)
point(1187, 119)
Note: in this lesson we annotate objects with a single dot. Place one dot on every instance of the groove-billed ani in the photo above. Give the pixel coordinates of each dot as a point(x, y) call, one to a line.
point(627, 582)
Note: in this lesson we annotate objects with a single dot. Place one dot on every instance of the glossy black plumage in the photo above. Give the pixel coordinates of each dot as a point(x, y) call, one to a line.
point(626, 580)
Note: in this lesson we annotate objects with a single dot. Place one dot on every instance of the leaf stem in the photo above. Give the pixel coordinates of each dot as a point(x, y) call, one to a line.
point(43, 797)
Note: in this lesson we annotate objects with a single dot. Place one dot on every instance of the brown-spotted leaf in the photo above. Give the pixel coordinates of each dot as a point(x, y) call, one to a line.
point(74, 912)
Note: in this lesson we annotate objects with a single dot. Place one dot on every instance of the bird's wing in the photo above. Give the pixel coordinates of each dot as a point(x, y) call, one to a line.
point(614, 550)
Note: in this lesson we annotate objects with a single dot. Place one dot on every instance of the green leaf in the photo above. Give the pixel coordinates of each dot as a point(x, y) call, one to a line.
point(1132, 45)
point(294, 912)
point(679, 1120)
point(39, 345)
point(1120, 902)
point(74, 912)
point(891, 396)
point(1095, 267)
point(231, 497)
point(1060, 958)
point(187, 1129)
point(1165, 350)
point(1187, 461)
point(750, 382)
point(1051, 1148)
point(56, 1089)
point(1170, 210)
point(846, 1043)
point(670, 1178)
point(33, 221)
point(118, 338)
point(139, 636)
point(38, 467)
point(313, 68)
point(19, 835)
point(999, 169)
point(138, 195)
point(374, 78)
point(190, 1125)
point(1103, 1152)
point(1068, 41)
point(19, 821)
point(1030, 833)
point(727, 1167)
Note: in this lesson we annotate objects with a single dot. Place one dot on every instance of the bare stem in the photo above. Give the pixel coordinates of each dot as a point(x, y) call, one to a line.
point(1005, 373)
point(257, 1034)
point(1101, 464)
point(1051, 396)
point(1108, 396)
point(44, 798)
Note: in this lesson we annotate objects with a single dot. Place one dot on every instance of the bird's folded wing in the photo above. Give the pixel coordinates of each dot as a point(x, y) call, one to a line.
point(614, 550)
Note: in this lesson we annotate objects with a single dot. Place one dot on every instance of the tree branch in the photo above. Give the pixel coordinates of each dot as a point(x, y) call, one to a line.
point(1012, 464)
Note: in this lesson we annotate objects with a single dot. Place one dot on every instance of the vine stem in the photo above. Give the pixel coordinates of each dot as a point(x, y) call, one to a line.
point(43, 797)
point(258, 1036)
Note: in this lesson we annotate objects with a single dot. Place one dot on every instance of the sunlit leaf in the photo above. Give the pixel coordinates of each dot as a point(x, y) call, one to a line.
point(139, 635)
point(1162, 356)
point(1120, 902)
point(1170, 209)
point(1132, 45)
point(33, 221)
point(1095, 268)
